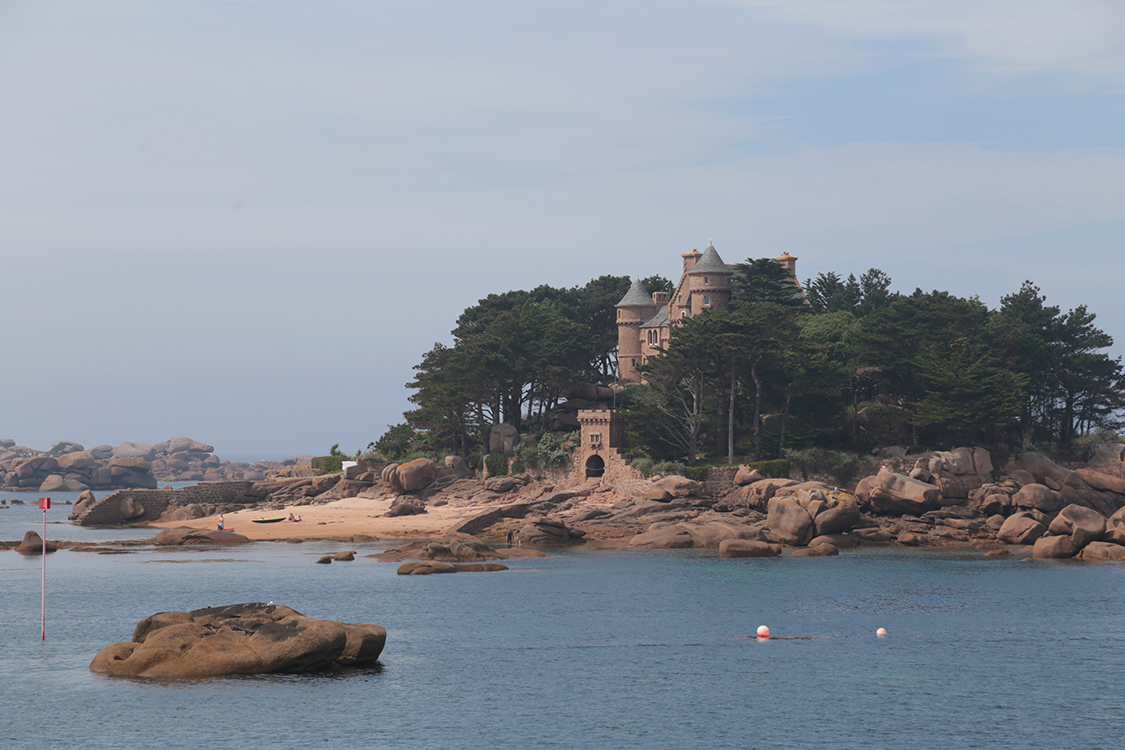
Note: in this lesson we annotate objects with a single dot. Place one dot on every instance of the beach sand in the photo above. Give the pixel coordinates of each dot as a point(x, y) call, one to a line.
point(340, 520)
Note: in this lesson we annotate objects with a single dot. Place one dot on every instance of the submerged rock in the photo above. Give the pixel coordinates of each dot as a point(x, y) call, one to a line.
point(748, 548)
point(430, 567)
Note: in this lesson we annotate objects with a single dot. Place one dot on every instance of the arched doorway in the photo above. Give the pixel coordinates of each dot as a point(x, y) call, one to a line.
point(595, 466)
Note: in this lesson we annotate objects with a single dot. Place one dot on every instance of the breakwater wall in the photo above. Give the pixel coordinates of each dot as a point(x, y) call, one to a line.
point(135, 506)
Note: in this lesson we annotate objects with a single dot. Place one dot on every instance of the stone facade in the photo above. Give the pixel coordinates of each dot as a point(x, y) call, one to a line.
point(644, 321)
point(598, 458)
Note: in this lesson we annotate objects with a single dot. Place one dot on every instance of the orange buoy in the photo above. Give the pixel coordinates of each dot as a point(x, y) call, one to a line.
point(763, 631)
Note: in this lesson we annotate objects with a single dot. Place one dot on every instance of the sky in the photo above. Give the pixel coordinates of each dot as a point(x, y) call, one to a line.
point(246, 222)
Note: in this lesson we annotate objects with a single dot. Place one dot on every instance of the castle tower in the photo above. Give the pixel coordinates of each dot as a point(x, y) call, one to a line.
point(634, 309)
point(599, 453)
point(709, 282)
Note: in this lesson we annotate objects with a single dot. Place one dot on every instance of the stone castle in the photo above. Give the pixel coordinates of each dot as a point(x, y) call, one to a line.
point(644, 321)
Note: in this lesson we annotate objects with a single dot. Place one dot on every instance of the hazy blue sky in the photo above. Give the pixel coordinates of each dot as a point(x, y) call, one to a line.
point(245, 222)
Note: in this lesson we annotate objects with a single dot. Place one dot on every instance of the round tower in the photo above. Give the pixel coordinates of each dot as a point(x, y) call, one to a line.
point(634, 309)
point(709, 282)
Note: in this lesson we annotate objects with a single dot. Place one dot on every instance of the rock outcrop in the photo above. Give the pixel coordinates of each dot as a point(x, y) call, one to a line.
point(69, 467)
point(185, 535)
point(430, 567)
point(250, 638)
point(32, 544)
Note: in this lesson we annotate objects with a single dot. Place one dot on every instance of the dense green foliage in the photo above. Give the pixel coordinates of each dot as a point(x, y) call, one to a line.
point(843, 364)
point(396, 442)
point(514, 354)
point(496, 464)
point(776, 467)
point(547, 450)
point(329, 464)
point(850, 364)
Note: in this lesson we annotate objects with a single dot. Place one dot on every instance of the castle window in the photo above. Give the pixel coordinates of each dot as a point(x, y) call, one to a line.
point(706, 301)
point(705, 280)
point(595, 438)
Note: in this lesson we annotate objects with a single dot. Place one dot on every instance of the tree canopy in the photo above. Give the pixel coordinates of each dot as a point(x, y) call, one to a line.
point(839, 361)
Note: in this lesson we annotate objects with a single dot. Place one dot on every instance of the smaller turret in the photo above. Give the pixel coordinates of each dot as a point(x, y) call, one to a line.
point(634, 309)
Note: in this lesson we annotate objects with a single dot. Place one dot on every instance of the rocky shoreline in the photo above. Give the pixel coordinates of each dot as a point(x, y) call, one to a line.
point(946, 499)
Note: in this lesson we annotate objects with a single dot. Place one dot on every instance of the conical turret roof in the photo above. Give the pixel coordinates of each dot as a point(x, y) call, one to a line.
point(710, 262)
point(636, 296)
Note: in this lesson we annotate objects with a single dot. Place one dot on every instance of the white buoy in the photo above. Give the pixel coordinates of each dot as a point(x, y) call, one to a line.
point(763, 631)
point(881, 632)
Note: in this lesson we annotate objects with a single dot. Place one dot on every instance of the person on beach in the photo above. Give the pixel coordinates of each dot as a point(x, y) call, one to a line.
point(291, 518)
point(222, 523)
point(518, 543)
point(509, 537)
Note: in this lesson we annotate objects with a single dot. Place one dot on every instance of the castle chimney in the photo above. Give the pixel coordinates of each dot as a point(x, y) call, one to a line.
point(790, 263)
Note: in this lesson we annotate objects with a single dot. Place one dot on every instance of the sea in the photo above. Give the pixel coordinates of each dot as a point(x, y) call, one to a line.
point(587, 648)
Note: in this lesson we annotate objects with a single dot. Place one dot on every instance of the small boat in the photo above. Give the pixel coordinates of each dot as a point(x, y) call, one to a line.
point(275, 519)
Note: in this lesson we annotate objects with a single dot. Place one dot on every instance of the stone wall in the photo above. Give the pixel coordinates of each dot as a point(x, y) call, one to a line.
point(719, 479)
point(146, 506)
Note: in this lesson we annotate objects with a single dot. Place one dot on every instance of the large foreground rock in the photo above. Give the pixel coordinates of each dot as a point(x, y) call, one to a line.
point(1054, 547)
point(1102, 551)
point(416, 475)
point(1102, 481)
point(1038, 497)
point(1020, 528)
point(1082, 525)
point(545, 530)
point(789, 522)
point(250, 638)
point(897, 494)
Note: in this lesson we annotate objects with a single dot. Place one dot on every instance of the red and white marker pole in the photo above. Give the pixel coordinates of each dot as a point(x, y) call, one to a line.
point(44, 505)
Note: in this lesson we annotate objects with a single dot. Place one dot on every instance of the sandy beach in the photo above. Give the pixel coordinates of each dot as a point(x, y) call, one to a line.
point(341, 520)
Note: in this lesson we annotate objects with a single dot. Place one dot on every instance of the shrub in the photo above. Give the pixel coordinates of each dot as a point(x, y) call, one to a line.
point(329, 464)
point(555, 449)
point(697, 473)
point(497, 464)
point(549, 450)
point(643, 465)
point(396, 442)
point(778, 467)
point(518, 467)
point(841, 465)
point(668, 467)
point(1086, 445)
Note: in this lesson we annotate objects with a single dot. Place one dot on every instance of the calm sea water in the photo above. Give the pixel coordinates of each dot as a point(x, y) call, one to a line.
point(587, 649)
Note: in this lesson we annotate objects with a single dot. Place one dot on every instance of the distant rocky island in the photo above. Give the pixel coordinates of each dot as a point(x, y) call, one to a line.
point(70, 467)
